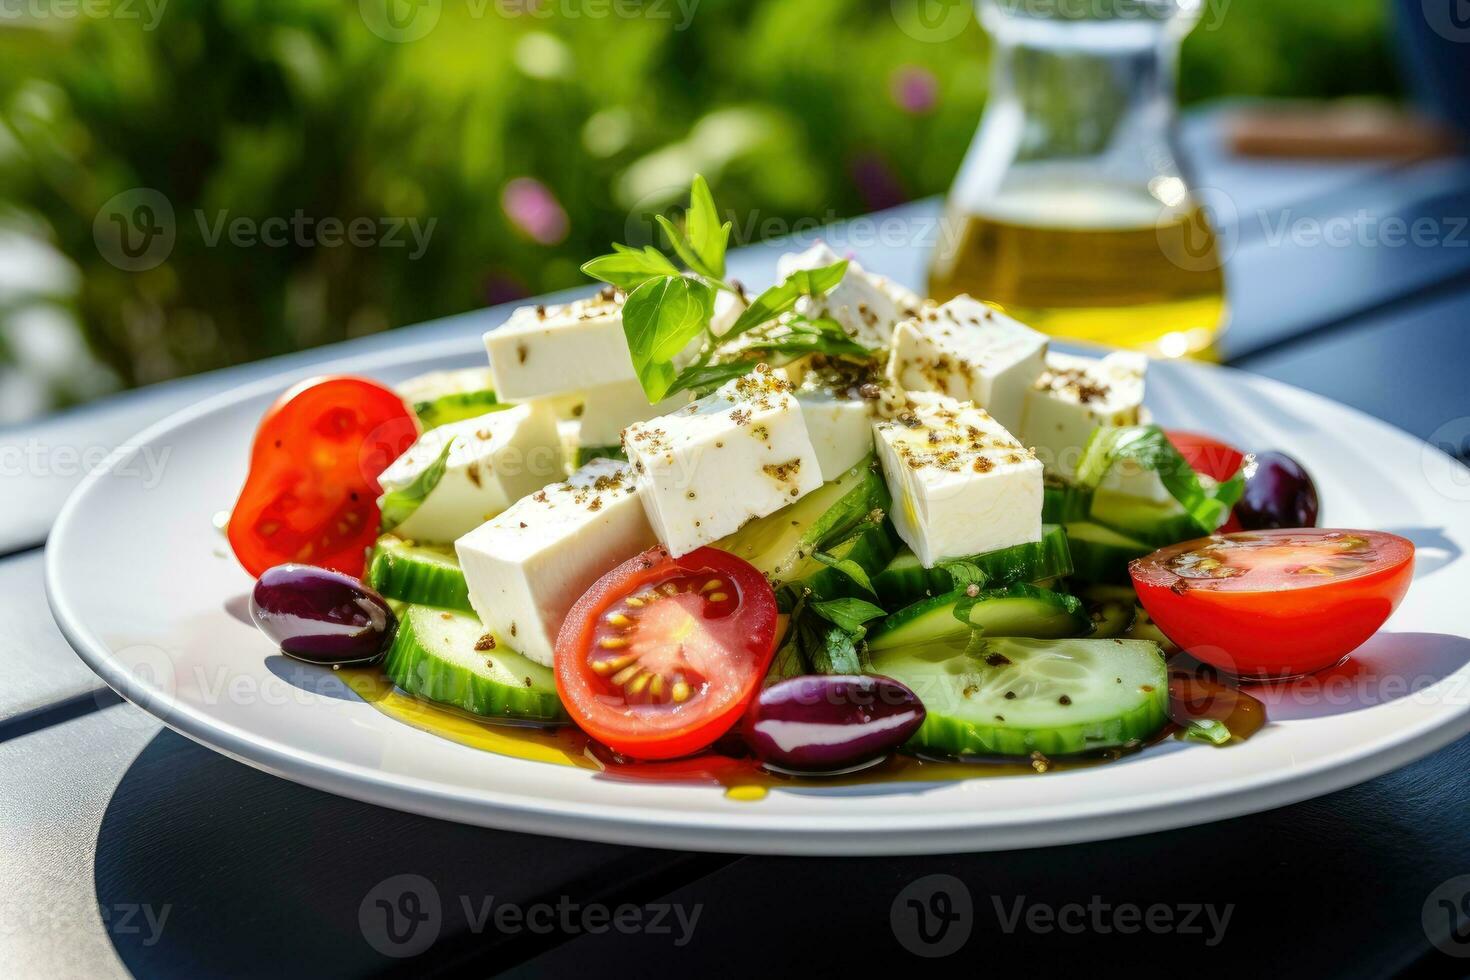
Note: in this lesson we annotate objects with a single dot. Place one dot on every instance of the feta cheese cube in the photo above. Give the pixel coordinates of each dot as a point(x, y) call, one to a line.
point(961, 484)
point(551, 350)
point(526, 567)
point(493, 461)
point(1075, 395)
point(840, 428)
point(740, 453)
point(609, 409)
point(967, 350)
point(868, 306)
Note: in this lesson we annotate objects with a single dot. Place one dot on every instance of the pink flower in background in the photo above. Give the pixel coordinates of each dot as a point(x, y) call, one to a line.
point(914, 89)
point(531, 207)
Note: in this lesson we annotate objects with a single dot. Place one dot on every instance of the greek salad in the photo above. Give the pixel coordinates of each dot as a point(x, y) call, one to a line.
point(816, 524)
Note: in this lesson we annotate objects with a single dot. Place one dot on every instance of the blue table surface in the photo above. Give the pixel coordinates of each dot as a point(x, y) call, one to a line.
point(105, 810)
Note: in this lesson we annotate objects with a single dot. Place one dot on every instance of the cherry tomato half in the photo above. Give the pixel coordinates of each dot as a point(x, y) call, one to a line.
point(661, 656)
point(311, 496)
point(1275, 603)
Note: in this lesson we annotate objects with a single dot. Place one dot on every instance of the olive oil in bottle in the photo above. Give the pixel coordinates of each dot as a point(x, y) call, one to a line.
point(1089, 264)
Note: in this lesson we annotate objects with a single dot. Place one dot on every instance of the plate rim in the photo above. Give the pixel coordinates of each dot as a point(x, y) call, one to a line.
point(740, 831)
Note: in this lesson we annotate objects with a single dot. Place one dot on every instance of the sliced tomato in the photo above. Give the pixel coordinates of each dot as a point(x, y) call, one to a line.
point(1275, 603)
point(1215, 459)
point(661, 656)
point(312, 492)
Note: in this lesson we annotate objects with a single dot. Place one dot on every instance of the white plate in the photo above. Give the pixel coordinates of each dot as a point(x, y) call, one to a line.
point(144, 588)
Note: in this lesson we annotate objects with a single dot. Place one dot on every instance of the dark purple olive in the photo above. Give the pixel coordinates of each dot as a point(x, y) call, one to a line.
point(831, 723)
point(321, 616)
point(1278, 493)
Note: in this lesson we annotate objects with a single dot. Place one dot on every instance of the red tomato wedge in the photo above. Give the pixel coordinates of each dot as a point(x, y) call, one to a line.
point(1215, 459)
point(661, 656)
point(1275, 603)
point(312, 492)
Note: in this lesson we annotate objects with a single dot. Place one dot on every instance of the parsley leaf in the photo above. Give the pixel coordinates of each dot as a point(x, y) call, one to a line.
point(850, 614)
point(660, 318)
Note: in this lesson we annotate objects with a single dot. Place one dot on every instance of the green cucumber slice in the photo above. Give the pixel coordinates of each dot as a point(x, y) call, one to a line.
point(426, 575)
point(1100, 554)
point(905, 581)
point(1065, 502)
point(1013, 697)
point(1111, 609)
point(445, 657)
point(586, 454)
point(457, 408)
point(871, 547)
point(1017, 610)
point(1156, 524)
point(778, 544)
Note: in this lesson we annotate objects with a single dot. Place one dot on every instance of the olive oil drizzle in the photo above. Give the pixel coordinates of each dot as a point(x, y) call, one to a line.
point(742, 777)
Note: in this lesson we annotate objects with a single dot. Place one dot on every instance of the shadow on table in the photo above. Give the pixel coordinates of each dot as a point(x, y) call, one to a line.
point(1390, 666)
point(241, 873)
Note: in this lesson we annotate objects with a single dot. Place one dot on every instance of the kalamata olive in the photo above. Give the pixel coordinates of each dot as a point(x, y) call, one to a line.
point(1278, 493)
point(321, 616)
point(830, 723)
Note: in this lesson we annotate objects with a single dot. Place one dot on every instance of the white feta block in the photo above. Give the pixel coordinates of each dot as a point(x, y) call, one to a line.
point(868, 306)
point(1072, 397)
point(738, 454)
point(961, 484)
point(494, 460)
point(969, 351)
point(609, 409)
point(544, 350)
point(526, 567)
point(841, 429)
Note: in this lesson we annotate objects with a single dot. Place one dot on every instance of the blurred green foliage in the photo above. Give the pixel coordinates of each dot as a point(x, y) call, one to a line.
point(269, 108)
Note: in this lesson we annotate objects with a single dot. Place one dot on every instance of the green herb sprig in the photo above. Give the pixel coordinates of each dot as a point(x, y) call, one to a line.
point(668, 308)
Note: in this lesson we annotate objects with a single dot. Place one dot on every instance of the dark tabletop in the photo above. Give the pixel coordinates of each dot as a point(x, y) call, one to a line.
point(127, 848)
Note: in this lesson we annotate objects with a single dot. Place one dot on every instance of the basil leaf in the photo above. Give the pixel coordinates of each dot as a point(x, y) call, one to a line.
point(660, 318)
point(836, 653)
point(1208, 730)
point(849, 568)
point(707, 236)
point(788, 661)
point(684, 248)
point(850, 614)
point(1208, 506)
point(783, 296)
point(704, 378)
point(397, 506)
point(629, 268)
point(801, 336)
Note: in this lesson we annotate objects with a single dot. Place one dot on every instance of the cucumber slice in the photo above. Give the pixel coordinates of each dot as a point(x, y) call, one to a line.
point(1111, 609)
point(457, 408)
point(1153, 523)
point(1065, 502)
point(779, 543)
point(586, 454)
point(1100, 554)
point(1011, 696)
point(445, 657)
point(871, 547)
point(903, 580)
point(1017, 610)
point(426, 575)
